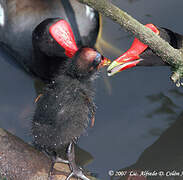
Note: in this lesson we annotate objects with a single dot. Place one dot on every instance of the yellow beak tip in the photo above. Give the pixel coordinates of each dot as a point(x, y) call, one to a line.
point(112, 65)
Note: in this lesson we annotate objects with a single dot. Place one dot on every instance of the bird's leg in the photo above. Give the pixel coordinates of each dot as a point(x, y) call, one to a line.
point(55, 159)
point(51, 170)
point(75, 170)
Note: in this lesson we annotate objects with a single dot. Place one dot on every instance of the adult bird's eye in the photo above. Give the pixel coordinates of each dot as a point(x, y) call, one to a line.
point(97, 60)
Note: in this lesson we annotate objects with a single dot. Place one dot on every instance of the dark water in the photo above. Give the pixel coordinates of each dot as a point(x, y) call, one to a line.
point(142, 104)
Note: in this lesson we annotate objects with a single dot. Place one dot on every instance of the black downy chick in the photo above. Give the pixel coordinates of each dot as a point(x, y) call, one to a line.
point(66, 106)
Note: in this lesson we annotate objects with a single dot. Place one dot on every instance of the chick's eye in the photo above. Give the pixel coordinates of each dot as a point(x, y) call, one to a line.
point(97, 60)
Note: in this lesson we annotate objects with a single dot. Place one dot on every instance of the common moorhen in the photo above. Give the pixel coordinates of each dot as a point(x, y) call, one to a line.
point(140, 54)
point(66, 105)
point(18, 18)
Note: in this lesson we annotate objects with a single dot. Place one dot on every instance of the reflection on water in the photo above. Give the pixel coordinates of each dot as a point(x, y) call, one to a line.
point(132, 121)
point(163, 155)
point(167, 106)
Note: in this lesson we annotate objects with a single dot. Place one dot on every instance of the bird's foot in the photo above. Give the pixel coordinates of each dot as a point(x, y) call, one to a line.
point(56, 160)
point(75, 170)
point(77, 173)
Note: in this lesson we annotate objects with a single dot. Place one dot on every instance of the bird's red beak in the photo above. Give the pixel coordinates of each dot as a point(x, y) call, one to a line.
point(131, 57)
point(62, 33)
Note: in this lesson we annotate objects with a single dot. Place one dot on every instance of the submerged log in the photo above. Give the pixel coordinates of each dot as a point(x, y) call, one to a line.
point(20, 161)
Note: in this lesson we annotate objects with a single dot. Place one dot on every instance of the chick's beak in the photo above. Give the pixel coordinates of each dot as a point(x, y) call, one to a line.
point(104, 62)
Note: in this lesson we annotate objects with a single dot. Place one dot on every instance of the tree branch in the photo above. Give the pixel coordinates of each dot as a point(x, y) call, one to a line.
point(20, 161)
point(162, 48)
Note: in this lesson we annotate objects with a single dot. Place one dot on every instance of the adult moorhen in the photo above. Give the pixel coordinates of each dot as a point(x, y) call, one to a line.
point(64, 109)
point(140, 54)
point(18, 18)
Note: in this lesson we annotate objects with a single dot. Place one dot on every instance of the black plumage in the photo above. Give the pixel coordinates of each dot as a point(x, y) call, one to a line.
point(66, 106)
point(63, 111)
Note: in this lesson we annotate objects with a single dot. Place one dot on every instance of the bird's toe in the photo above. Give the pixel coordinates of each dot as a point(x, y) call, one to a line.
point(77, 173)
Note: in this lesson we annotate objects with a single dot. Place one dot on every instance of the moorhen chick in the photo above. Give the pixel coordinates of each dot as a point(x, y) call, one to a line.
point(140, 54)
point(66, 105)
point(18, 18)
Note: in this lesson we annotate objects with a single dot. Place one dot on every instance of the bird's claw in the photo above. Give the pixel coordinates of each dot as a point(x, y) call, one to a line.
point(77, 173)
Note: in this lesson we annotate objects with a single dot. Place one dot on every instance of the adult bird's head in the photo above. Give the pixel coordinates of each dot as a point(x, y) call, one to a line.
point(54, 38)
point(53, 44)
point(140, 54)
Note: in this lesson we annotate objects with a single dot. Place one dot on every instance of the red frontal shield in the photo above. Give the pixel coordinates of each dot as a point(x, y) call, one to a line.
point(137, 47)
point(63, 34)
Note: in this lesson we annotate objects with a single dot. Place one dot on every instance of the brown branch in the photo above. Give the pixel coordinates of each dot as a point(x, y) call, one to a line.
point(20, 161)
point(162, 48)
